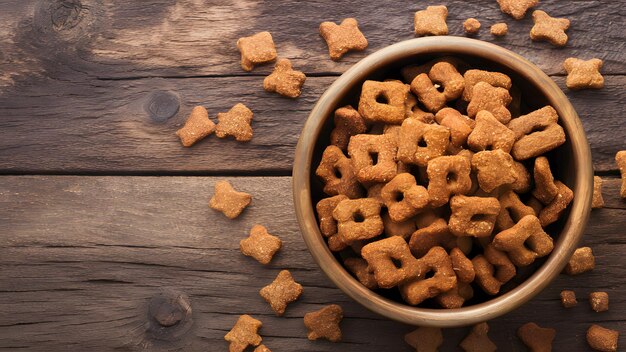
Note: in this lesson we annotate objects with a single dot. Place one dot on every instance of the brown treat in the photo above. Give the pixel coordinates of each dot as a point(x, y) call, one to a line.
point(282, 291)
point(235, 123)
point(456, 297)
point(419, 142)
point(460, 127)
point(229, 201)
point(197, 126)
point(284, 80)
point(337, 173)
point(499, 29)
point(403, 197)
point(516, 8)
point(431, 21)
point(583, 74)
point(581, 261)
point(435, 234)
point(325, 207)
point(599, 301)
point(262, 348)
point(522, 183)
point(512, 210)
point(485, 278)
point(374, 192)
point(536, 338)
point(568, 299)
point(383, 101)
point(358, 219)
point(535, 204)
point(536, 133)
point(490, 134)
point(471, 26)
point(427, 93)
point(462, 266)
point(448, 175)
point(442, 280)
point(473, 216)
point(348, 122)
point(602, 339)
point(256, 49)
point(359, 268)
point(505, 269)
point(478, 340)
point(552, 212)
point(425, 339)
point(494, 168)
point(427, 86)
point(525, 241)
point(410, 72)
point(620, 159)
point(414, 110)
point(597, 201)
point(343, 37)
point(373, 157)
point(381, 257)
point(472, 77)
point(490, 98)
point(403, 229)
point(548, 28)
point(324, 323)
point(244, 334)
point(545, 188)
point(260, 245)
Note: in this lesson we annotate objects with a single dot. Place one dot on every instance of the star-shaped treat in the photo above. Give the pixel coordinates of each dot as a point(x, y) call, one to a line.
point(256, 49)
point(516, 8)
point(244, 334)
point(262, 348)
point(477, 340)
point(260, 245)
point(284, 80)
point(425, 339)
point(549, 28)
point(343, 37)
point(324, 323)
point(197, 126)
point(583, 74)
point(431, 21)
point(235, 123)
point(535, 337)
point(282, 291)
point(229, 201)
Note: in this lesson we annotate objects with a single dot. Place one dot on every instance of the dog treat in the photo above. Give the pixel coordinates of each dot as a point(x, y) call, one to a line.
point(419, 142)
point(324, 323)
point(536, 338)
point(445, 76)
point(337, 173)
point(599, 301)
point(463, 267)
point(282, 291)
point(262, 348)
point(516, 8)
point(380, 256)
point(602, 339)
point(505, 269)
point(244, 334)
point(403, 229)
point(460, 127)
point(229, 201)
point(536, 133)
point(478, 340)
point(436, 233)
point(552, 212)
point(495, 79)
point(284, 80)
point(583, 74)
point(358, 219)
point(256, 49)
point(499, 29)
point(485, 275)
point(598, 201)
point(425, 339)
point(545, 188)
point(360, 269)
point(325, 207)
point(473, 216)
point(471, 26)
point(456, 296)
point(568, 299)
point(620, 159)
point(197, 126)
point(374, 157)
point(403, 197)
point(343, 37)
point(348, 122)
point(419, 289)
point(548, 28)
point(581, 261)
point(494, 168)
point(235, 123)
point(490, 134)
point(383, 101)
point(413, 109)
point(524, 242)
point(512, 210)
point(447, 175)
point(260, 245)
point(490, 98)
point(431, 21)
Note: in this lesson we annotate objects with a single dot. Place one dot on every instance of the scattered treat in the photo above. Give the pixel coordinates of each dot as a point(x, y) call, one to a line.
point(324, 323)
point(360, 269)
point(581, 261)
point(490, 134)
point(229, 201)
point(478, 340)
point(443, 278)
point(197, 126)
point(536, 338)
point(473, 216)
point(499, 29)
point(381, 256)
point(598, 201)
point(512, 210)
point(525, 241)
point(374, 157)
point(282, 291)
point(383, 101)
point(235, 123)
point(425, 339)
point(494, 168)
point(568, 299)
point(602, 339)
point(471, 26)
point(262, 348)
point(337, 173)
point(284, 80)
point(431, 21)
point(599, 301)
point(490, 98)
point(536, 133)
point(545, 188)
point(348, 123)
point(583, 74)
point(244, 334)
point(495, 79)
point(516, 8)
point(549, 28)
point(343, 37)
point(446, 76)
point(260, 245)
point(620, 159)
point(419, 142)
point(552, 212)
point(447, 175)
point(403, 197)
point(358, 219)
point(256, 49)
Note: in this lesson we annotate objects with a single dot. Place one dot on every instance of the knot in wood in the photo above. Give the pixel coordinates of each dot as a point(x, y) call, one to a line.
point(169, 309)
point(162, 105)
point(66, 14)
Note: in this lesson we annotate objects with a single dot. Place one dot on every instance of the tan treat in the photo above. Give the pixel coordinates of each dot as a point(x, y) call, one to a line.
point(583, 74)
point(505, 269)
point(359, 268)
point(419, 142)
point(197, 126)
point(602, 339)
point(373, 192)
point(325, 207)
point(473, 216)
point(403, 229)
point(284, 80)
point(535, 204)
point(537, 133)
point(620, 159)
point(426, 86)
point(443, 278)
point(499, 29)
point(545, 188)
point(456, 297)
point(414, 110)
point(490, 134)
point(597, 201)
point(235, 123)
point(260, 245)
point(324, 323)
point(427, 93)
point(229, 201)
point(525, 241)
point(536, 338)
point(431, 21)
point(522, 183)
point(403, 197)
point(462, 266)
point(599, 301)
point(425, 339)
point(448, 175)
point(485, 275)
point(342, 38)
point(436, 233)
point(478, 340)
point(568, 299)
point(550, 29)
point(383, 101)
point(495, 79)
point(337, 173)
point(358, 219)
point(374, 157)
point(411, 71)
point(471, 26)
point(460, 127)
point(494, 169)
point(282, 291)
point(256, 49)
point(262, 348)
point(244, 334)
point(581, 261)
point(552, 212)
point(348, 122)
point(490, 98)
point(512, 210)
point(516, 8)
point(380, 256)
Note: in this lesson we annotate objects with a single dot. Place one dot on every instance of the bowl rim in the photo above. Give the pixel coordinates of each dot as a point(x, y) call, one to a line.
point(570, 235)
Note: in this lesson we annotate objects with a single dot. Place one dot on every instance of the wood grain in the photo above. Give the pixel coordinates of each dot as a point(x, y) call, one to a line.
point(83, 256)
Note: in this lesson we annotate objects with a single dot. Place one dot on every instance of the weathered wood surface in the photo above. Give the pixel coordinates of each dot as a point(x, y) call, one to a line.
point(81, 257)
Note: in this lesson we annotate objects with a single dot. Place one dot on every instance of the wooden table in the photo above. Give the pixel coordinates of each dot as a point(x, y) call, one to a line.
point(103, 214)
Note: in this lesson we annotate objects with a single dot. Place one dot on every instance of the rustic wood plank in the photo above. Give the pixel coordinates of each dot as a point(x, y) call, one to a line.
point(82, 256)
